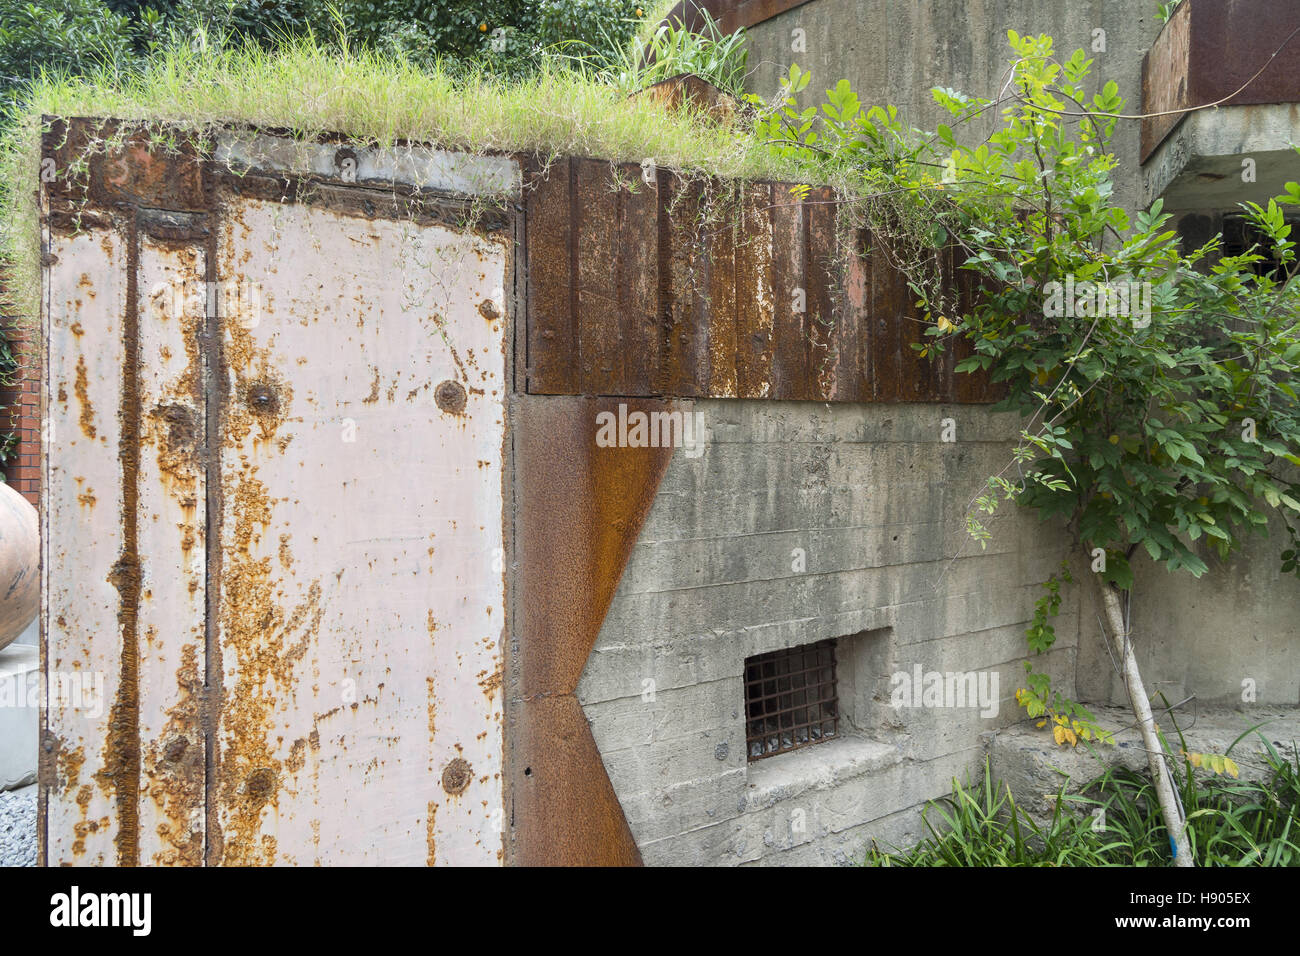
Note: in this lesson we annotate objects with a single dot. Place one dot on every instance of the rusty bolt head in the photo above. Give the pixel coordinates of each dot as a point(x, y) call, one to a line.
point(175, 749)
point(488, 309)
point(260, 783)
point(262, 399)
point(450, 397)
point(456, 776)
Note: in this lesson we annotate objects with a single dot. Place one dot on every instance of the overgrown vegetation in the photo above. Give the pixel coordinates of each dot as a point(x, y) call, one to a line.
point(500, 37)
point(1114, 821)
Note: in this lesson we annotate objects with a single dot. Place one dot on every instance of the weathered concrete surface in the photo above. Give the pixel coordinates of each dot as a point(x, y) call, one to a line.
point(1200, 165)
point(876, 501)
point(1231, 633)
point(1238, 621)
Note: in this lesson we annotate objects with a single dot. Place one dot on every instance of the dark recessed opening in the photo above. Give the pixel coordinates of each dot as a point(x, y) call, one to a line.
point(1240, 236)
point(790, 699)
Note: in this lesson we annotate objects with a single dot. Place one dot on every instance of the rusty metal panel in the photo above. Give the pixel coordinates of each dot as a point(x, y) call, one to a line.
point(705, 288)
point(361, 588)
point(171, 296)
point(1166, 86)
point(833, 319)
point(1208, 51)
point(616, 220)
point(83, 780)
point(1232, 40)
point(885, 319)
point(601, 347)
point(718, 288)
point(640, 245)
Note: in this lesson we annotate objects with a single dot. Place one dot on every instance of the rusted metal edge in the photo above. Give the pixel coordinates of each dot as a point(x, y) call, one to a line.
point(213, 376)
point(578, 510)
point(422, 207)
point(731, 15)
point(121, 765)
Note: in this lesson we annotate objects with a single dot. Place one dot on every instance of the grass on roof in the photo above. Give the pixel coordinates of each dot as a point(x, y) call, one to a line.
point(313, 88)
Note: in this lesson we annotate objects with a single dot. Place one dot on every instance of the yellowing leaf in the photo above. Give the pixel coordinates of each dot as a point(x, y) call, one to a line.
point(1041, 723)
point(1058, 733)
point(1230, 765)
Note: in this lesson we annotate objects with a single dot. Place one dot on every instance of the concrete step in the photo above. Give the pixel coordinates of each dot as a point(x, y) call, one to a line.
point(20, 668)
point(1026, 757)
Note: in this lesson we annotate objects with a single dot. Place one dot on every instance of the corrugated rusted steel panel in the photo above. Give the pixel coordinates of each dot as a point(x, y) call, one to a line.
point(579, 509)
point(791, 371)
point(601, 339)
point(826, 333)
point(616, 220)
point(361, 590)
point(713, 289)
point(691, 317)
point(969, 387)
point(716, 291)
point(855, 376)
point(86, 783)
point(888, 305)
point(639, 246)
point(754, 295)
point(552, 280)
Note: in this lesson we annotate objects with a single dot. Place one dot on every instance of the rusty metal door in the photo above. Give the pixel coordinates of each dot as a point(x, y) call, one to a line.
point(273, 515)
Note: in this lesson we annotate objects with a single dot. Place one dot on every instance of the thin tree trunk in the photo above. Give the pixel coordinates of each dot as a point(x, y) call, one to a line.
point(1119, 637)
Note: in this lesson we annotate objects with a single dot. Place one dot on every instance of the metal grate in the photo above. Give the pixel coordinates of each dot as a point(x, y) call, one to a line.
point(790, 699)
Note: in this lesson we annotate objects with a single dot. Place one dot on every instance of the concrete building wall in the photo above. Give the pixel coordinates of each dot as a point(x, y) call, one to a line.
point(877, 501)
point(1242, 619)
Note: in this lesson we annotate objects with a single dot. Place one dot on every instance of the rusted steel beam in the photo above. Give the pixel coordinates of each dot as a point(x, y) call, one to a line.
point(579, 509)
point(1208, 51)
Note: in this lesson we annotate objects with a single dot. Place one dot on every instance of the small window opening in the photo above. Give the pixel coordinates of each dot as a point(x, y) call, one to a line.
point(790, 699)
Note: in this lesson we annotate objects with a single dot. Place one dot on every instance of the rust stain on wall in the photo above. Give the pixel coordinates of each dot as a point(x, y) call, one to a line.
point(579, 509)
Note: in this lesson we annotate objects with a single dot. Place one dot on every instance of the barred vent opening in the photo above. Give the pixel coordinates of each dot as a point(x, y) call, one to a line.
point(790, 699)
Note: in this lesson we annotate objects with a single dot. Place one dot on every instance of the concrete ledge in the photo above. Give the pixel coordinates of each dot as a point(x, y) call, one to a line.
point(1029, 761)
point(815, 768)
point(20, 666)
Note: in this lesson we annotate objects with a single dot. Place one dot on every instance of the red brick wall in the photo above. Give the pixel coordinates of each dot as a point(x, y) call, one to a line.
point(20, 412)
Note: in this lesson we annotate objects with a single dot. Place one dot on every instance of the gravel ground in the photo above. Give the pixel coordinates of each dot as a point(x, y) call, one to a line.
point(18, 827)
